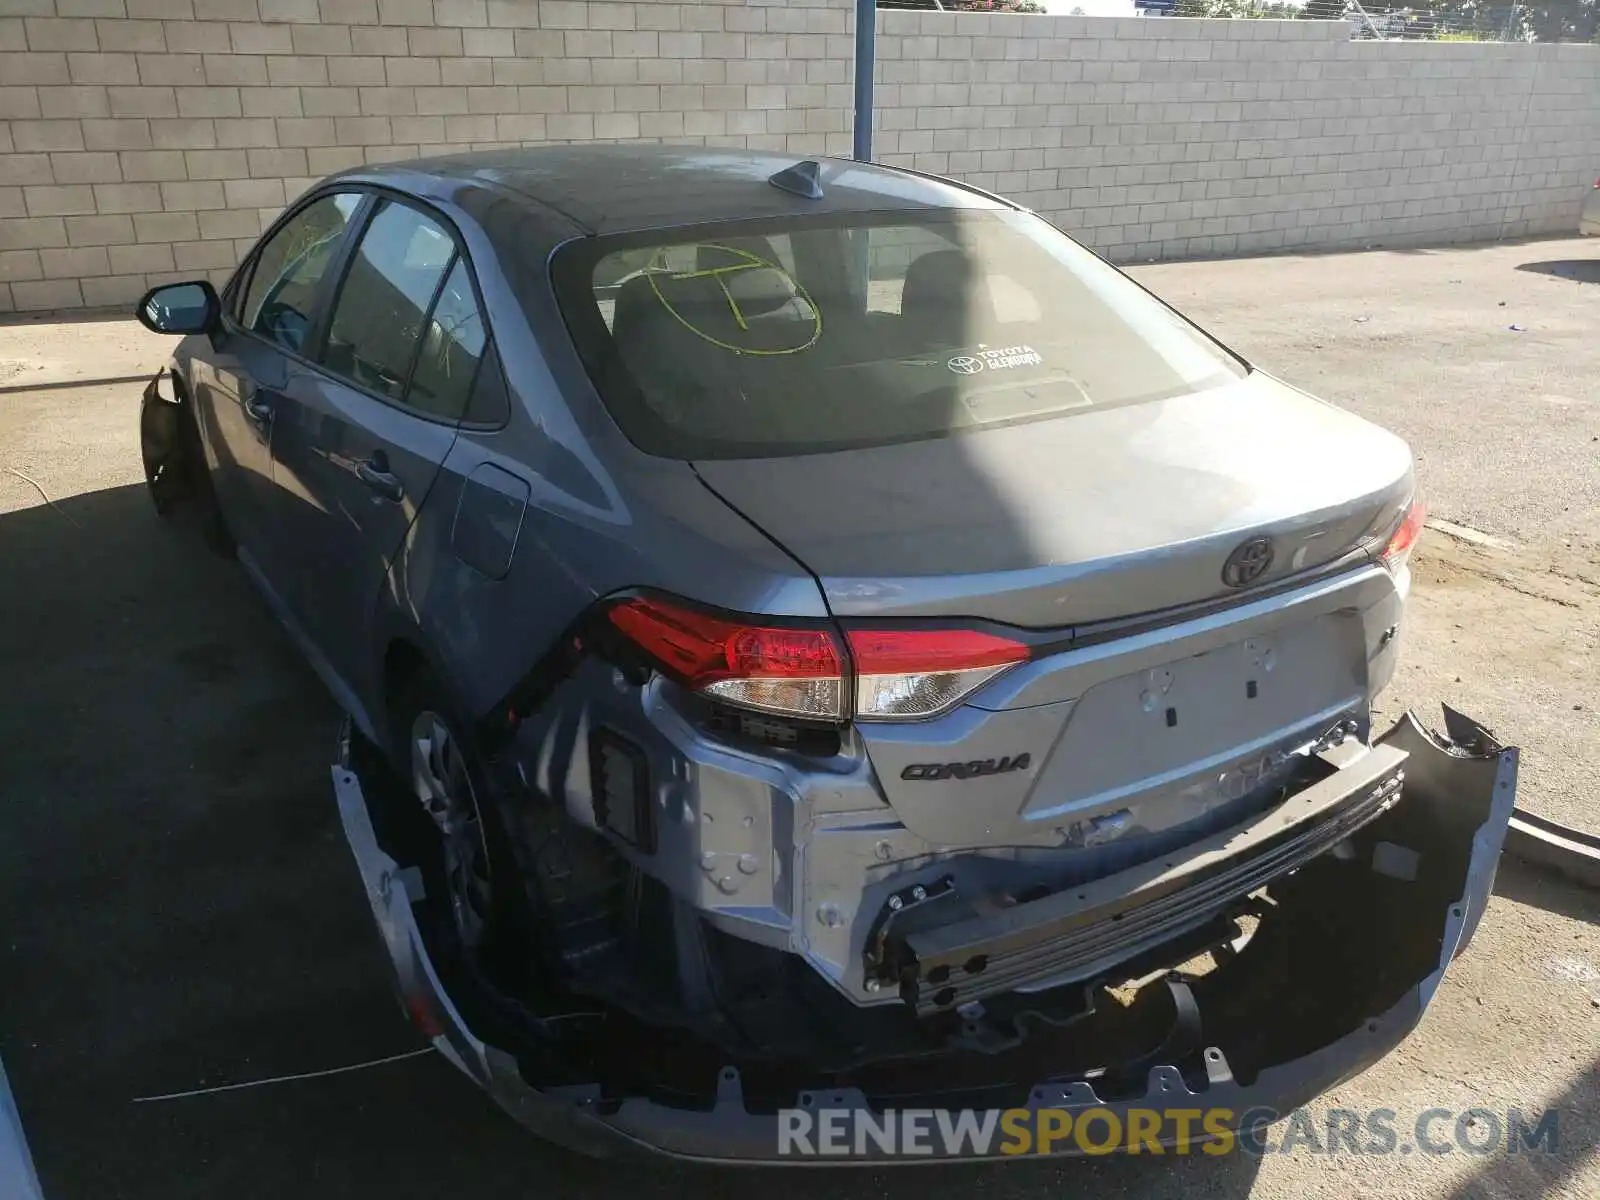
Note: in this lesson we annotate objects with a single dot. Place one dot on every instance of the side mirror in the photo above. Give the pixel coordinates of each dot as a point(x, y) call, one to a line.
point(180, 308)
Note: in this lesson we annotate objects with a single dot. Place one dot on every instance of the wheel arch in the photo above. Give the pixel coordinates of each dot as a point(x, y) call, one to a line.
point(401, 651)
point(404, 657)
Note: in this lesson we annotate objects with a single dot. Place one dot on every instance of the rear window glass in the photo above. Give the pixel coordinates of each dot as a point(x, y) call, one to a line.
point(760, 340)
point(378, 316)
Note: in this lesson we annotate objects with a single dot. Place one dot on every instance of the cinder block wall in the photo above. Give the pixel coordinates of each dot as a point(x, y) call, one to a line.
point(143, 141)
point(1164, 138)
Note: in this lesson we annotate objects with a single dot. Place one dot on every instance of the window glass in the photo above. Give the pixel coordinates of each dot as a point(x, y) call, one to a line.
point(893, 255)
point(452, 346)
point(378, 314)
point(832, 333)
point(283, 286)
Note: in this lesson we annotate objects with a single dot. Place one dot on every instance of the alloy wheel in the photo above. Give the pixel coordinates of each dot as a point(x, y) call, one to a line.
point(444, 788)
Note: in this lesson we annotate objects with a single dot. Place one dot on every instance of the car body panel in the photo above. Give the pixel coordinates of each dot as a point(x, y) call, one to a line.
point(338, 530)
point(581, 537)
point(1090, 516)
point(611, 189)
point(1153, 730)
point(235, 380)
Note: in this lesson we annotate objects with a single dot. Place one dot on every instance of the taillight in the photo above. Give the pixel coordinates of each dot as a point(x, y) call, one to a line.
point(794, 670)
point(803, 670)
point(905, 674)
point(1405, 535)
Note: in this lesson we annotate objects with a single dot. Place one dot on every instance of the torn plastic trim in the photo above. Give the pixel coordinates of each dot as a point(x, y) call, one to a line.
point(1466, 778)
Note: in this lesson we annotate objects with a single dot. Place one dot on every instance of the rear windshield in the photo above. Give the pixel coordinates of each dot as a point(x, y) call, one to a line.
point(760, 340)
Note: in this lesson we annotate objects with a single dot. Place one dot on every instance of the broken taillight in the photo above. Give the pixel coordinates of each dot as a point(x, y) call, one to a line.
point(1405, 534)
point(803, 669)
point(906, 674)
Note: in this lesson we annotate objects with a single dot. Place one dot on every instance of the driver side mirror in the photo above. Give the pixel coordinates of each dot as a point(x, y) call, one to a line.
point(180, 308)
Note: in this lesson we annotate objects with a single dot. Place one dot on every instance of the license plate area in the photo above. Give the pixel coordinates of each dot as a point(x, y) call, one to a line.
point(1216, 720)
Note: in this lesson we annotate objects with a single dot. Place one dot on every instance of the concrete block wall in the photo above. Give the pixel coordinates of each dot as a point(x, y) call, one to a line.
point(143, 141)
point(1160, 138)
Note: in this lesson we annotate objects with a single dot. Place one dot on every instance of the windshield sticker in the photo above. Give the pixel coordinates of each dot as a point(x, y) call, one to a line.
point(735, 263)
point(1003, 359)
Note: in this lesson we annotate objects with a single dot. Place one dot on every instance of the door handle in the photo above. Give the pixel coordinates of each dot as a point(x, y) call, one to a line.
point(258, 410)
point(375, 473)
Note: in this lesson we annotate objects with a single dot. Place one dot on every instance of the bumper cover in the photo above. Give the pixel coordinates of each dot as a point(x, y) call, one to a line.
point(1463, 789)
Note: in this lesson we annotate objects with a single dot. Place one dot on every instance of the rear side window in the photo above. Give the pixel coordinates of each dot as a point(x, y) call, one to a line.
point(378, 315)
point(763, 339)
point(279, 302)
point(452, 348)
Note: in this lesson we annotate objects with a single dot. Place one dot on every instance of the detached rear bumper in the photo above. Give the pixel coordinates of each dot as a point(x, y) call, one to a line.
point(1383, 925)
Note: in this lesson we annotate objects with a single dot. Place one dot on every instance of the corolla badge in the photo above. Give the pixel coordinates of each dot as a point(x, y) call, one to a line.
point(1248, 562)
point(967, 770)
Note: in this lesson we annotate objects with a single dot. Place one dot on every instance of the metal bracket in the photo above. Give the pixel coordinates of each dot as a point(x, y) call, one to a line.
point(883, 967)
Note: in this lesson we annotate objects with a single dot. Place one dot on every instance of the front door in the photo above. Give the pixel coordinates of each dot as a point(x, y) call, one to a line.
point(256, 356)
point(358, 443)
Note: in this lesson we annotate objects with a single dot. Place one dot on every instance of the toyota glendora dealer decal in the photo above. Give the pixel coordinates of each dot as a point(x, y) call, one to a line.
point(996, 360)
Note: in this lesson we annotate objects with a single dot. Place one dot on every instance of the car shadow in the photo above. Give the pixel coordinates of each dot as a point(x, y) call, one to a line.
point(1578, 270)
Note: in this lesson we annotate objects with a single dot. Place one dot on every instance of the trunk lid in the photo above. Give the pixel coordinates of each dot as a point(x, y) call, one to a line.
point(1095, 515)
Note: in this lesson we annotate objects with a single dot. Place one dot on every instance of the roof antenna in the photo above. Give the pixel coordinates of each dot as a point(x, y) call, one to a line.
point(803, 179)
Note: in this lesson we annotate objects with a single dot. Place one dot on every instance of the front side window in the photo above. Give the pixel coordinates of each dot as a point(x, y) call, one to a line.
point(781, 338)
point(289, 268)
point(379, 312)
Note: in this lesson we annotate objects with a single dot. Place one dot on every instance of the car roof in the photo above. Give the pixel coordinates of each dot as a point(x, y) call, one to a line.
point(616, 188)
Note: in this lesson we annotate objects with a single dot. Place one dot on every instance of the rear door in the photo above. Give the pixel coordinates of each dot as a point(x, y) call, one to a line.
point(360, 440)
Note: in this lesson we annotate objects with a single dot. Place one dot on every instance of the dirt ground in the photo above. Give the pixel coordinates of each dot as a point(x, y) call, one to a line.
point(178, 910)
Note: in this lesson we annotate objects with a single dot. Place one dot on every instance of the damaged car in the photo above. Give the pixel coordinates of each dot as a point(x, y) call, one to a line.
point(814, 634)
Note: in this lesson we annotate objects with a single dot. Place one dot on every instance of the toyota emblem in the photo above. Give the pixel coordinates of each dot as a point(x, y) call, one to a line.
point(965, 364)
point(1247, 563)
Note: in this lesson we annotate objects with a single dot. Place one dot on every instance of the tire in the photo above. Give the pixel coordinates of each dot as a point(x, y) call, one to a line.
point(166, 462)
point(474, 889)
point(175, 468)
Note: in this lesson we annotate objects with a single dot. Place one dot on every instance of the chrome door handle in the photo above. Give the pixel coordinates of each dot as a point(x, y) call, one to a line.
point(258, 410)
point(376, 475)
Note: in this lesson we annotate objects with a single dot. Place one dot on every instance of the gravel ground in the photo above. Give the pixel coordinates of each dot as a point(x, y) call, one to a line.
point(178, 910)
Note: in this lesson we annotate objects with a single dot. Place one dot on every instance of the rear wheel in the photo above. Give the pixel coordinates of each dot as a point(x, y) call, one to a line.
point(472, 884)
point(442, 785)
